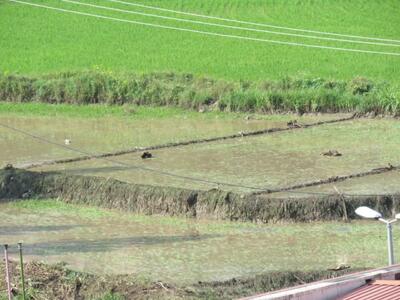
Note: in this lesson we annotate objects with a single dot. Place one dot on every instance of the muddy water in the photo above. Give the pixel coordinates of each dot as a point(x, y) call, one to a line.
point(108, 134)
point(185, 251)
point(268, 161)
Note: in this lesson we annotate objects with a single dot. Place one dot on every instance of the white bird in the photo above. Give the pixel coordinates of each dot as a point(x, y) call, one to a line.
point(67, 141)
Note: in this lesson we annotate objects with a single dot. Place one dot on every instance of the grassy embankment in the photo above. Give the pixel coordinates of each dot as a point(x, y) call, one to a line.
point(299, 95)
point(132, 112)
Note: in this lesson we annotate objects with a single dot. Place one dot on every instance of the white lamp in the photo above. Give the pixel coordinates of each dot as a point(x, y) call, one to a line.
point(369, 213)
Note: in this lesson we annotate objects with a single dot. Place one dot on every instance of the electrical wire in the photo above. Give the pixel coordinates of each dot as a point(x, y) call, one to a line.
point(228, 26)
point(253, 23)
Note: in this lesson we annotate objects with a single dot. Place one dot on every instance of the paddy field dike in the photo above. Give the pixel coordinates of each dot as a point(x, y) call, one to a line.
point(265, 125)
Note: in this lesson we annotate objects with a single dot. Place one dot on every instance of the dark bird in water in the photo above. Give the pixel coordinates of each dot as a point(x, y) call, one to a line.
point(332, 153)
point(339, 268)
point(8, 167)
point(293, 124)
point(146, 155)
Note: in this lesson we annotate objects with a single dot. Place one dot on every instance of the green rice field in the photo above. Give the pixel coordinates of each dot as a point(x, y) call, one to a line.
point(38, 39)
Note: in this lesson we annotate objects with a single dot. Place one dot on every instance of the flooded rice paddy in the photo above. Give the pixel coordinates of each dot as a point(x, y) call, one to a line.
point(182, 250)
point(268, 161)
point(109, 134)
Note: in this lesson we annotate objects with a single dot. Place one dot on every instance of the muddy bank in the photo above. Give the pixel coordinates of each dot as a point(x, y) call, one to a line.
point(216, 204)
point(57, 282)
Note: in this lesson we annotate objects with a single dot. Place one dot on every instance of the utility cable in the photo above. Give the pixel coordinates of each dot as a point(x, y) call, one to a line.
point(228, 26)
point(253, 23)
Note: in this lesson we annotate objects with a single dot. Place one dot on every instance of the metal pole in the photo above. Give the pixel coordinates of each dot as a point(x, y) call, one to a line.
point(390, 243)
point(7, 272)
point(22, 270)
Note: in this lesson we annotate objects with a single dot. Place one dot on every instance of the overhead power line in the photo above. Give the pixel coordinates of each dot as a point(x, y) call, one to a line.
point(254, 23)
point(209, 33)
point(229, 26)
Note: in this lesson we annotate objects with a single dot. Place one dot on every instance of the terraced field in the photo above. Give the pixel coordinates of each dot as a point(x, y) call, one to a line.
point(233, 99)
point(105, 129)
point(183, 251)
point(264, 162)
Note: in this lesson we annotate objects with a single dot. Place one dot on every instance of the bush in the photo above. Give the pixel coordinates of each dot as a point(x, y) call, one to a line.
point(360, 86)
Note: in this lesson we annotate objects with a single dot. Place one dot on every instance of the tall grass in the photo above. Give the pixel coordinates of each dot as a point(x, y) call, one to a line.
point(301, 95)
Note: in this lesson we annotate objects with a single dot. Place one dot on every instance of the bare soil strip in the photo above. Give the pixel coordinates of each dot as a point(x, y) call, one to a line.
point(329, 180)
point(186, 143)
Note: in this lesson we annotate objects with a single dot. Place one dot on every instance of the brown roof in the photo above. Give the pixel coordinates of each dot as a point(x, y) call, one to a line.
point(377, 290)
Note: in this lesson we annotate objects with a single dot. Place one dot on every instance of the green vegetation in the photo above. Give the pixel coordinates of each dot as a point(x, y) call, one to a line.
point(100, 111)
point(298, 95)
point(93, 213)
point(143, 113)
point(45, 41)
point(111, 296)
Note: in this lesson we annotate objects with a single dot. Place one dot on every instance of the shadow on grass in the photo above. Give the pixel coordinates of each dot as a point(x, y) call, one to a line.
point(93, 170)
point(104, 245)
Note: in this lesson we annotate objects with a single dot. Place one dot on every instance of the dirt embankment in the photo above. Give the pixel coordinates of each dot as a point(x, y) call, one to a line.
point(216, 204)
point(57, 282)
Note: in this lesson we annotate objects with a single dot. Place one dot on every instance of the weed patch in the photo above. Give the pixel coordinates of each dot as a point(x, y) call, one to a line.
point(299, 95)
